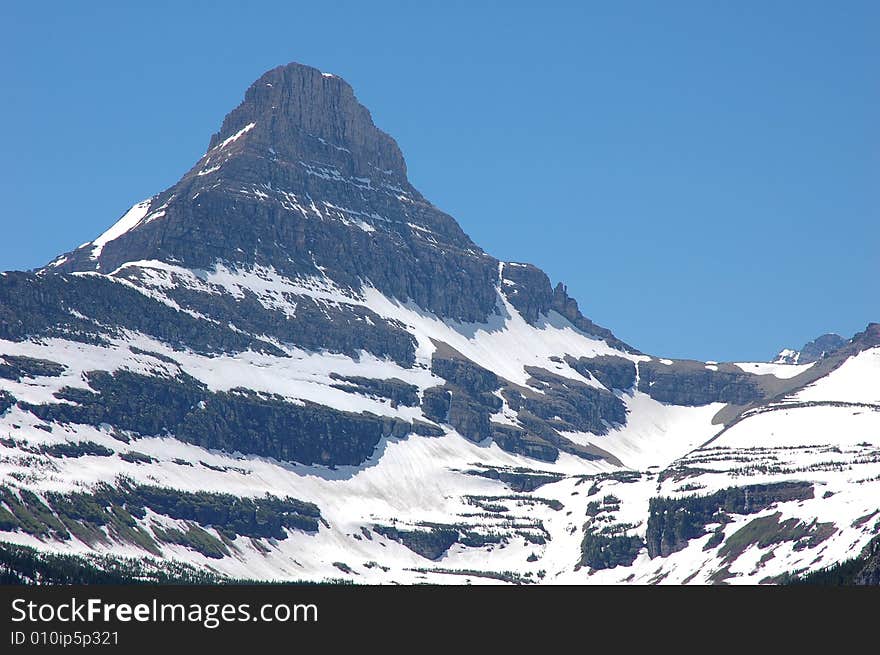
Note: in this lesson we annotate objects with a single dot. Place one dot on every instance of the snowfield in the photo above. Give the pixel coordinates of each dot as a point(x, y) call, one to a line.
point(826, 434)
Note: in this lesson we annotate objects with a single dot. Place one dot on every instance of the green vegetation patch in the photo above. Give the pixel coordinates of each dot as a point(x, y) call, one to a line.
point(76, 449)
point(431, 544)
point(7, 400)
point(195, 538)
point(16, 367)
point(23, 565)
point(766, 531)
point(113, 512)
point(601, 551)
point(673, 522)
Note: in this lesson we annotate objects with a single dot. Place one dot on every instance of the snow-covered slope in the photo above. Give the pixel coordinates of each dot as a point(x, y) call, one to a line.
point(446, 508)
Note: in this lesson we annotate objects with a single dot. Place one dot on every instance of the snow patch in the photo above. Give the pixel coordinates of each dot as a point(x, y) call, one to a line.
point(781, 371)
point(247, 128)
point(856, 380)
point(129, 220)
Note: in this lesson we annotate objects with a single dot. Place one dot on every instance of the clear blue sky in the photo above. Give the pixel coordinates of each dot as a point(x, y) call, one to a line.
point(703, 175)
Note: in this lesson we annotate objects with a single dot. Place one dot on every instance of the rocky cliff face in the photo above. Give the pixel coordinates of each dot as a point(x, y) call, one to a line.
point(812, 351)
point(691, 383)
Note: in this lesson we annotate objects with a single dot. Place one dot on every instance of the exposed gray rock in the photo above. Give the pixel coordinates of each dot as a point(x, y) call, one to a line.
point(813, 350)
point(524, 442)
point(397, 391)
point(568, 405)
point(870, 574)
point(462, 372)
point(527, 288)
point(238, 420)
point(612, 371)
point(568, 307)
point(868, 338)
point(436, 402)
point(691, 383)
point(88, 309)
point(346, 329)
point(466, 401)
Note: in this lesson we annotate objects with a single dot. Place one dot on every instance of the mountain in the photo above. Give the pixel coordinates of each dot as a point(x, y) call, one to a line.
point(811, 351)
point(290, 365)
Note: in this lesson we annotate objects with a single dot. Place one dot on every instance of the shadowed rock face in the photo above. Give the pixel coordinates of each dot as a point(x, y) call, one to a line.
point(813, 351)
point(870, 574)
point(819, 347)
point(549, 405)
point(297, 105)
point(612, 371)
point(568, 307)
point(239, 420)
point(690, 383)
point(869, 338)
point(527, 288)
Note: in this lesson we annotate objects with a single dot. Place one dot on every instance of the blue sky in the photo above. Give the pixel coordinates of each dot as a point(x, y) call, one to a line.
point(703, 175)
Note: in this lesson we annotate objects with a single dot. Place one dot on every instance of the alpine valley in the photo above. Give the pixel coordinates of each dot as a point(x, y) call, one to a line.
point(291, 366)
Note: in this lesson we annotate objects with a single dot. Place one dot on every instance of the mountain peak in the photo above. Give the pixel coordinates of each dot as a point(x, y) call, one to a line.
point(300, 180)
point(293, 104)
point(811, 351)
